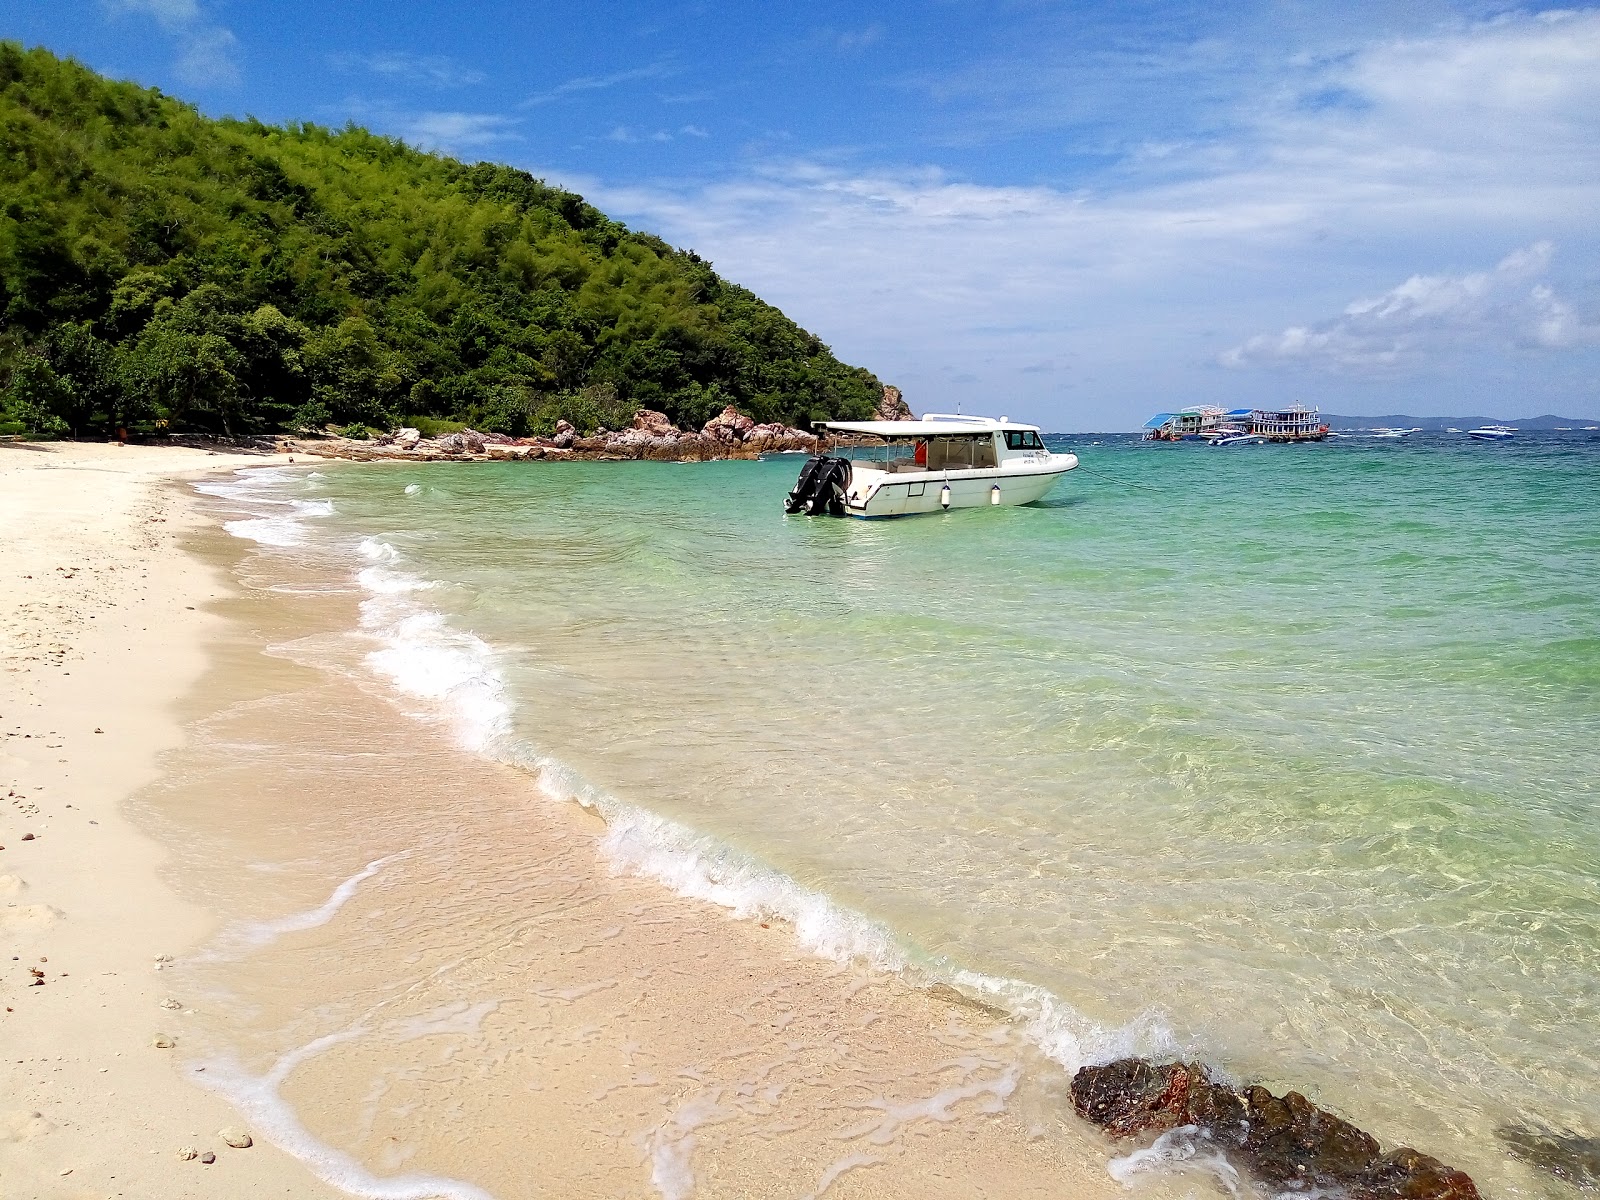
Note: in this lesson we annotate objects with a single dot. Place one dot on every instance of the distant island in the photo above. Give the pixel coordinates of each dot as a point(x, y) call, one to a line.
point(1402, 421)
point(163, 272)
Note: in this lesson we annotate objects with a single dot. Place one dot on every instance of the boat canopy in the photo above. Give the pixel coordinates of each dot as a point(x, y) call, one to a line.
point(931, 425)
point(1160, 419)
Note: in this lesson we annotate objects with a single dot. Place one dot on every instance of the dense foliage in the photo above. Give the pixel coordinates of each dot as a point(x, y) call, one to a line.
point(162, 270)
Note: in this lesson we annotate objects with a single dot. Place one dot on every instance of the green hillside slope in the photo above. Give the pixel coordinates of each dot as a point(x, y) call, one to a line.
point(159, 269)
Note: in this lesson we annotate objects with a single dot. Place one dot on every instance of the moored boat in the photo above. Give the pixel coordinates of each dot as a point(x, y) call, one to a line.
point(1493, 433)
point(932, 465)
point(1210, 424)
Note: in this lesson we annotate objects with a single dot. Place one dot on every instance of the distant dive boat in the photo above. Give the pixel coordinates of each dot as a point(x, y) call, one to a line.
point(932, 465)
point(1493, 433)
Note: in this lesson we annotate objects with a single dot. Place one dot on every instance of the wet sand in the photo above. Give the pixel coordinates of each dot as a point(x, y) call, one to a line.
point(407, 970)
point(102, 622)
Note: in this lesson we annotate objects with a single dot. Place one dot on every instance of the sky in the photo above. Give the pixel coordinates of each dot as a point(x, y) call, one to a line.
point(1068, 213)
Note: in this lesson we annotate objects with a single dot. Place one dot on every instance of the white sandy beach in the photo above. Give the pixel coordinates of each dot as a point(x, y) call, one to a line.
point(102, 618)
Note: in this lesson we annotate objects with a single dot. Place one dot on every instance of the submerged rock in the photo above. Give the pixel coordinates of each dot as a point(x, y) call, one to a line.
point(1566, 1155)
point(1284, 1141)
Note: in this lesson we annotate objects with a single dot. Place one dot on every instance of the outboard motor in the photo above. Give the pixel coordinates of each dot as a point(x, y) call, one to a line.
point(821, 487)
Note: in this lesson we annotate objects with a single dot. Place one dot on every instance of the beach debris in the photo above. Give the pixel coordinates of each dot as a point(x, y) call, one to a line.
point(170, 1003)
point(1567, 1155)
point(239, 1139)
point(163, 961)
point(1284, 1141)
point(28, 837)
point(187, 1154)
point(208, 1158)
point(162, 1042)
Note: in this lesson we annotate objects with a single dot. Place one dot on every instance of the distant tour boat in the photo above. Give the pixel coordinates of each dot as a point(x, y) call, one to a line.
point(1493, 433)
point(1203, 422)
point(932, 465)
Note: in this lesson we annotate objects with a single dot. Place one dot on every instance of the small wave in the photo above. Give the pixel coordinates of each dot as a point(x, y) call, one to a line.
point(692, 864)
point(423, 656)
point(251, 489)
point(253, 935)
point(1185, 1148)
point(258, 1098)
point(457, 674)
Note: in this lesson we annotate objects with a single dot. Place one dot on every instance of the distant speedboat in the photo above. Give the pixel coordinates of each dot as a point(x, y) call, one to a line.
point(1493, 433)
point(1240, 439)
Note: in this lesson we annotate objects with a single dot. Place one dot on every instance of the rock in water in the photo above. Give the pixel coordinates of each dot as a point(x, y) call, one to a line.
point(1284, 1141)
point(237, 1138)
point(1566, 1155)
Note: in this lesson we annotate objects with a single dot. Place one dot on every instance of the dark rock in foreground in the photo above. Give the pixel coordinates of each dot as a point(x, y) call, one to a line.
point(1284, 1141)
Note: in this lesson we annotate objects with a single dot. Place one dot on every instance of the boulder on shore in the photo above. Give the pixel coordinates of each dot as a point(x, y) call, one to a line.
point(892, 407)
point(1284, 1141)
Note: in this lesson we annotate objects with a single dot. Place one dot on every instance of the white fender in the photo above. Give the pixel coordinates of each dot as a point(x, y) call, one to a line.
point(944, 496)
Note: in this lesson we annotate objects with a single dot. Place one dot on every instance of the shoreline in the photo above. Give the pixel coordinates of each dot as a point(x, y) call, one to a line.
point(104, 619)
point(691, 996)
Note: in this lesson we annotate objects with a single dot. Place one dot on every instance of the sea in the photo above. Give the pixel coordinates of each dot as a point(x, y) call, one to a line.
point(1281, 758)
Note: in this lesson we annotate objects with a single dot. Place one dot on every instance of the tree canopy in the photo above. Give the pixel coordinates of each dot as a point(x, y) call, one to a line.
point(160, 269)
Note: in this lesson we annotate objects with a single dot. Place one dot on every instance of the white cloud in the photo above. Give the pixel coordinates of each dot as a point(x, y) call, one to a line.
point(206, 50)
point(454, 132)
point(1511, 306)
point(596, 83)
point(1144, 272)
point(434, 69)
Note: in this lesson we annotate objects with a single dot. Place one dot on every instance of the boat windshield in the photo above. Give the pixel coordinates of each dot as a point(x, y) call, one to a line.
point(1017, 439)
point(954, 453)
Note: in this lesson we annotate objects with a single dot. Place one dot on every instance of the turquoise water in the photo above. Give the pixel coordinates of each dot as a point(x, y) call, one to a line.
point(1283, 757)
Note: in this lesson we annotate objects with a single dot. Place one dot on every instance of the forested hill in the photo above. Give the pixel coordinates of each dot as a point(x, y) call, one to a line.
point(159, 269)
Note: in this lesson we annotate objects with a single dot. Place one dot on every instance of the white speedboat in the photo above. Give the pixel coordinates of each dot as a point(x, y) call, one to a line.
point(1493, 433)
point(932, 465)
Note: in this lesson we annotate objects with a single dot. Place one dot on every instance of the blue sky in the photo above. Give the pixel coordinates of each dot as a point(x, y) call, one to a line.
point(1072, 213)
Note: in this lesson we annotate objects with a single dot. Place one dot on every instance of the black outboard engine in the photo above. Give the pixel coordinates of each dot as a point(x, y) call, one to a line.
point(821, 487)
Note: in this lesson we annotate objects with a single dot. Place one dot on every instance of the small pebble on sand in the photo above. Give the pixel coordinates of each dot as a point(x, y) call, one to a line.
point(170, 1003)
point(188, 1154)
point(208, 1158)
point(162, 1042)
point(237, 1138)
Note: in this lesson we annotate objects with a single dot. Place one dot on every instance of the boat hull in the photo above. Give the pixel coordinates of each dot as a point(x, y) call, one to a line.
point(916, 494)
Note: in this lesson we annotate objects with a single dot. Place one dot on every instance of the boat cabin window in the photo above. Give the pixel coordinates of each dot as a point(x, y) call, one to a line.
point(961, 454)
point(1019, 440)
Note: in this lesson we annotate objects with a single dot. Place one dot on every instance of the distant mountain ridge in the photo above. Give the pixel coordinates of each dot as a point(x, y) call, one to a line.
point(1402, 421)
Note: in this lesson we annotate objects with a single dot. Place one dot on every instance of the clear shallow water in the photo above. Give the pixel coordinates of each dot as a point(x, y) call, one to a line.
point(1282, 757)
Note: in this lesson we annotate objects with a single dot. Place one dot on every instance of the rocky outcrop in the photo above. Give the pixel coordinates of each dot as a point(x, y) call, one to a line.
point(651, 435)
point(1286, 1141)
point(892, 407)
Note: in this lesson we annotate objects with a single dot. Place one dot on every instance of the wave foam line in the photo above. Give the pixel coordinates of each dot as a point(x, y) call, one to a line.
point(692, 864)
point(252, 488)
point(252, 935)
point(457, 674)
point(259, 1100)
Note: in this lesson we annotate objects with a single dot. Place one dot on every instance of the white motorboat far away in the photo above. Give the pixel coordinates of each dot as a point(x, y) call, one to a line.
point(938, 463)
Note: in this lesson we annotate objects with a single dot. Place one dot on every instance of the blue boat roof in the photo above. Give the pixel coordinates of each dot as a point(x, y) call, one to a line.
point(1159, 420)
point(1240, 412)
